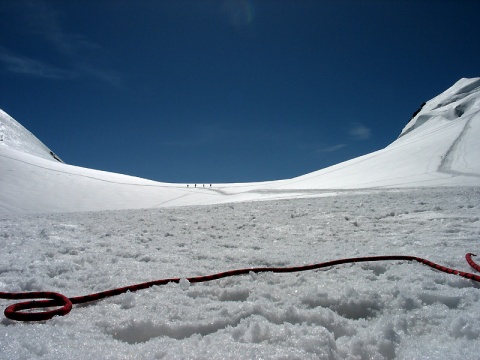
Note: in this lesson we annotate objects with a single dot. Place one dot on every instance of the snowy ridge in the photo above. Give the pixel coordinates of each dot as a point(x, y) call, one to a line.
point(461, 98)
point(438, 147)
point(14, 136)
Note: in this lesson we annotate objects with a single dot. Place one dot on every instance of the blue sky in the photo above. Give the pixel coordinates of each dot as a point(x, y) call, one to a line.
point(227, 91)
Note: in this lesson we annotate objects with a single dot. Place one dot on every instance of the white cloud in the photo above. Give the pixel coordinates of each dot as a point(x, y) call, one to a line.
point(80, 56)
point(27, 66)
point(359, 131)
point(44, 21)
point(330, 149)
point(106, 75)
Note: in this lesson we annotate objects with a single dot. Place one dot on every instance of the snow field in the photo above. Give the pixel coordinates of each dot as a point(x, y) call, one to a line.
point(381, 310)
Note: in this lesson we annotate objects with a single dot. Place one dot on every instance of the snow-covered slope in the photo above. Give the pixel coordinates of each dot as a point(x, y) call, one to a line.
point(438, 147)
point(14, 136)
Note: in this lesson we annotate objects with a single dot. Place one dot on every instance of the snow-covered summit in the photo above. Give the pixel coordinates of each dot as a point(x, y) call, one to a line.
point(438, 147)
point(460, 100)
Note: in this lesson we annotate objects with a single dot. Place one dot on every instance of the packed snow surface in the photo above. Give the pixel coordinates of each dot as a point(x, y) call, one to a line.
point(78, 231)
point(381, 310)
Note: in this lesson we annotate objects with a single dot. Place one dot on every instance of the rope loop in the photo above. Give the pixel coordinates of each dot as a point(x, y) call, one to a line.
point(14, 312)
point(64, 304)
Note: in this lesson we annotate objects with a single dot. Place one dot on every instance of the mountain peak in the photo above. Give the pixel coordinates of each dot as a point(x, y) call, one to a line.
point(460, 100)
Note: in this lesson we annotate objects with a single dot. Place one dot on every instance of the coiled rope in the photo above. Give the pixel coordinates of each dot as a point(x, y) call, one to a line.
point(54, 299)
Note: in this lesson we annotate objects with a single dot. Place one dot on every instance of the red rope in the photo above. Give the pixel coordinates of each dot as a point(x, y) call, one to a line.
point(64, 303)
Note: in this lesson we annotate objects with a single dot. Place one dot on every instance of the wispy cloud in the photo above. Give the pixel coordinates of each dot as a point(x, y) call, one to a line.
point(359, 131)
point(80, 56)
point(44, 21)
point(109, 76)
point(240, 14)
point(331, 149)
point(27, 66)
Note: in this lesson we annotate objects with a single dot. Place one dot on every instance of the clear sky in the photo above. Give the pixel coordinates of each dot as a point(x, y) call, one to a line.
point(227, 91)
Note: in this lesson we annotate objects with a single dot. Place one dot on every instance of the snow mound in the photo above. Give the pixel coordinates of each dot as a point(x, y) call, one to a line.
point(438, 147)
